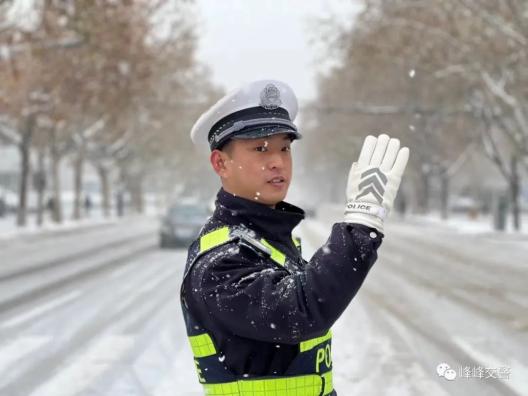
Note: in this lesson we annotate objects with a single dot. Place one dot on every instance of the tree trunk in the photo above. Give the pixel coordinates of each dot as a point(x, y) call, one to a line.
point(515, 190)
point(55, 175)
point(400, 203)
point(77, 181)
point(136, 192)
point(425, 193)
point(444, 195)
point(120, 203)
point(24, 147)
point(141, 197)
point(105, 190)
point(40, 184)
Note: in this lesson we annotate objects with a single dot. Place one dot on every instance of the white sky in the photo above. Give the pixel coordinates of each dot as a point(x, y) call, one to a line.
point(245, 40)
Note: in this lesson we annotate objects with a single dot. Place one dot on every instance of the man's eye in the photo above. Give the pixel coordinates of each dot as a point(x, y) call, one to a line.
point(260, 148)
point(287, 148)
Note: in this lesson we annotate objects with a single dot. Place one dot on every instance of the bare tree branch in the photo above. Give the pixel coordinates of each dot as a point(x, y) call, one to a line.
point(495, 21)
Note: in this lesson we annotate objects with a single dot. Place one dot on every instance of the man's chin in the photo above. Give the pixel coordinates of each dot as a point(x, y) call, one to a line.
point(273, 199)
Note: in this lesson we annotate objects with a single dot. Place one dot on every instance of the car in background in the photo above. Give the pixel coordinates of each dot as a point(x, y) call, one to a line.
point(181, 224)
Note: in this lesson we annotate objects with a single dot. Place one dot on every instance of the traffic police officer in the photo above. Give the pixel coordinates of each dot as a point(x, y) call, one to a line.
point(258, 316)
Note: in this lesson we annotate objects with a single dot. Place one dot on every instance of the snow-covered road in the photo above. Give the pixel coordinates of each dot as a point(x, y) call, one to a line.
point(435, 296)
point(92, 313)
point(96, 312)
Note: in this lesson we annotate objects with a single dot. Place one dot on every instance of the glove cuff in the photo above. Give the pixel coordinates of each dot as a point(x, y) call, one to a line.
point(368, 208)
point(365, 219)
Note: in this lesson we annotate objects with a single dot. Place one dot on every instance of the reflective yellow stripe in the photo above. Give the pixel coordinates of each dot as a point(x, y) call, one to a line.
point(303, 385)
point(328, 385)
point(296, 241)
point(306, 385)
point(309, 344)
point(214, 238)
point(227, 389)
point(202, 345)
point(276, 255)
point(199, 371)
point(221, 235)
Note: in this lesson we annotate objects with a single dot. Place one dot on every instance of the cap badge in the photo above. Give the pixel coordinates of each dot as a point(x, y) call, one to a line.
point(270, 97)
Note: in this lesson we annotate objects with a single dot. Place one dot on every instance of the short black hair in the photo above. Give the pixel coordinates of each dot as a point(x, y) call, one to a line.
point(225, 146)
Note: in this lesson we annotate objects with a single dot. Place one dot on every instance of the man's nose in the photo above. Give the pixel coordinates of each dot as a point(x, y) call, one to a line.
point(275, 161)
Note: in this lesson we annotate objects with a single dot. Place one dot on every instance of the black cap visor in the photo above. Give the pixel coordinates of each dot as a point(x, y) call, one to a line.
point(265, 131)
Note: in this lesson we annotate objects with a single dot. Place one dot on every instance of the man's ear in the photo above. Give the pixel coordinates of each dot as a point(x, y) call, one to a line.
point(218, 161)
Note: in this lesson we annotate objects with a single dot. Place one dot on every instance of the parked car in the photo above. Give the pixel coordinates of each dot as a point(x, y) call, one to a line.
point(181, 224)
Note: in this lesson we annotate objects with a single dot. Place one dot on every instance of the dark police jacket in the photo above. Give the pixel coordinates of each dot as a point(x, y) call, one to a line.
point(257, 312)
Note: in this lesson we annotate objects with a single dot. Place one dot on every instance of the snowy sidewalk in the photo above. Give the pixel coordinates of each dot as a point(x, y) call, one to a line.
point(9, 229)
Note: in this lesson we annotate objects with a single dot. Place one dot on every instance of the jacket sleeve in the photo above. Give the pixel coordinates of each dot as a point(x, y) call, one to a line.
point(250, 296)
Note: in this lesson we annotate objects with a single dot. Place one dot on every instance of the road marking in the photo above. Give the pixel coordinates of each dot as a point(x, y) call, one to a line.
point(41, 309)
point(102, 355)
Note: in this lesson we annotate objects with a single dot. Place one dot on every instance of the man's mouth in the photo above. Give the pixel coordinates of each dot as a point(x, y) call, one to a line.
point(277, 180)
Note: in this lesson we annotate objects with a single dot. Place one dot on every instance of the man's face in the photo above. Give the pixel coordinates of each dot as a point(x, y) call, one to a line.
point(256, 169)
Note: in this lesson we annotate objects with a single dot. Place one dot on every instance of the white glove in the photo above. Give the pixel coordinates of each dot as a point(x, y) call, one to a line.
point(374, 180)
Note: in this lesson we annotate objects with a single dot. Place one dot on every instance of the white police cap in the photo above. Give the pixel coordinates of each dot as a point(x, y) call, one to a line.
point(258, 109)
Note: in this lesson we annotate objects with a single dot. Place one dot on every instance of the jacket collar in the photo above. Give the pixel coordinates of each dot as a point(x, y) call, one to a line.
point(275, 224)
